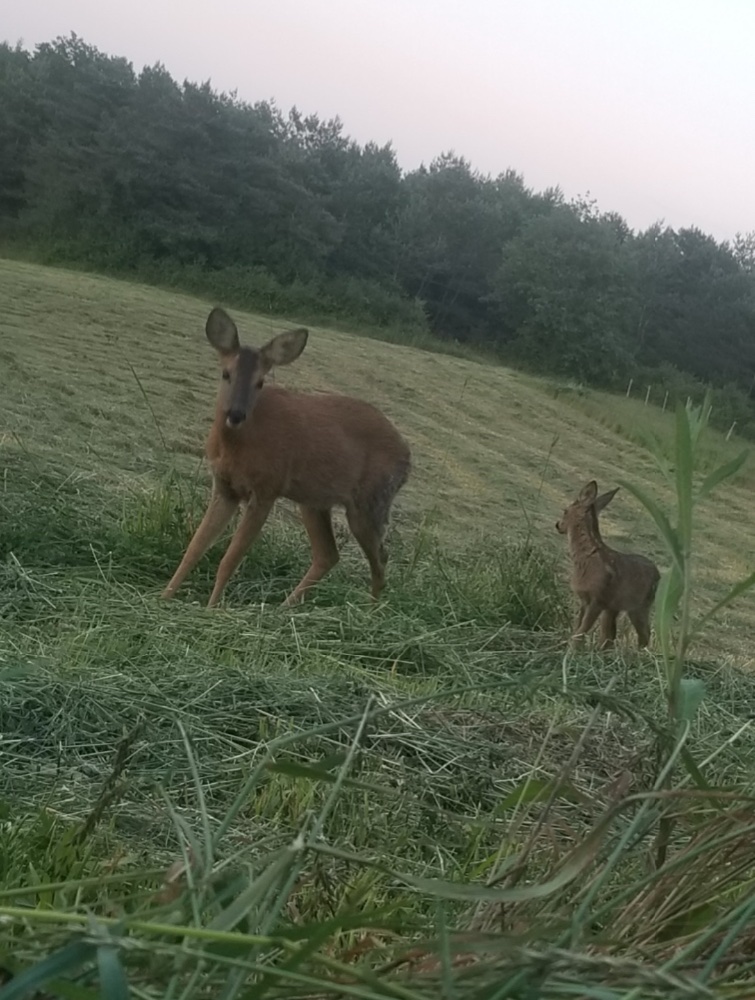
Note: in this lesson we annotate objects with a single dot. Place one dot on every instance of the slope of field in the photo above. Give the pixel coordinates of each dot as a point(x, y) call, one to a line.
point(117, 381)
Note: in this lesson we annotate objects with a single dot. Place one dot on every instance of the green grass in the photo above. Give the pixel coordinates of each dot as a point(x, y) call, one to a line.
point(457, 735)
point(633, 420)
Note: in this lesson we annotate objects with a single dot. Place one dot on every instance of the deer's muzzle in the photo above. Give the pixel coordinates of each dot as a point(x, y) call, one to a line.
point(234, 418)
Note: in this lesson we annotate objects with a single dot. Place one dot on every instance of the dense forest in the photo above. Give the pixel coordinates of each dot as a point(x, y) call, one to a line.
point(135, 173)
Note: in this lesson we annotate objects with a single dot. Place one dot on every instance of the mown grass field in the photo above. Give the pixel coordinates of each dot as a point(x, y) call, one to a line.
point(473, 708)
point(116, 382)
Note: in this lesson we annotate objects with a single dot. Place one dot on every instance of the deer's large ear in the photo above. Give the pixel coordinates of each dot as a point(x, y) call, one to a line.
point(588, 492)
point(284, 348)
point(221, 332)
point(604, 499)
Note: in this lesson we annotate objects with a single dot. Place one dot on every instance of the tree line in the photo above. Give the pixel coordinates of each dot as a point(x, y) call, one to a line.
point(135, 173)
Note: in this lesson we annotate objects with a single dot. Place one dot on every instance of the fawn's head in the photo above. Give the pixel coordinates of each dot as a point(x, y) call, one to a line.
point(244, 368)
point(587, 505)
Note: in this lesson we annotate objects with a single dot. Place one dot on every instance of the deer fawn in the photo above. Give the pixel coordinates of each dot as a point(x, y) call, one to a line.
point(318, 450)
point(606, 582)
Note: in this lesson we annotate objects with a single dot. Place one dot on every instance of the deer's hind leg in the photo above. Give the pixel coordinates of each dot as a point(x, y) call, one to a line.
point(640, 618)
point(608, 628)
point(369, 533)
point(319, 527)
point(368, 519)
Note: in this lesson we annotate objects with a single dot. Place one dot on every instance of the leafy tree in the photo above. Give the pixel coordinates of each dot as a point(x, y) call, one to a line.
point(452, 231)
point(697, 304)
point(19, 122)
point(563, 292)
point(77, 90)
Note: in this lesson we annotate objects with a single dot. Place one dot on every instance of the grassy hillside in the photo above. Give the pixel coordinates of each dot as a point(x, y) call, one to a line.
point(133, 731)
point(117, 382)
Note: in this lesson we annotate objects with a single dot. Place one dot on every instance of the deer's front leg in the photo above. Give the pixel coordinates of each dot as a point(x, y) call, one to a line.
point(583, 603)
point(249, 527)
point(589, 617)
point(219, 512)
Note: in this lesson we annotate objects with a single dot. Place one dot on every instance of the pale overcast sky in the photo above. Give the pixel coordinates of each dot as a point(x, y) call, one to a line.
point(647, 104)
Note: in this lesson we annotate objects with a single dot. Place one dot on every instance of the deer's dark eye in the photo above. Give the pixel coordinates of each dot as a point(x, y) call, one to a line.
point(226, 375)
point(260, 383)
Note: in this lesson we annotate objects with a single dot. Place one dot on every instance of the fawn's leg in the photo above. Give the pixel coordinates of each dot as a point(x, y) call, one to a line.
point(641, 621)
point(219, 512)
point(249, 527)
point(583, 603)
point(608, 628)
point(324, 551)
point(589, 616)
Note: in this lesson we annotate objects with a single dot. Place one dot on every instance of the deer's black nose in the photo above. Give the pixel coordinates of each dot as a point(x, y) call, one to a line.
point(235, 417)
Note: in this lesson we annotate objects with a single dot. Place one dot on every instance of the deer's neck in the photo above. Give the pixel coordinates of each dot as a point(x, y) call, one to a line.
point(585, 542)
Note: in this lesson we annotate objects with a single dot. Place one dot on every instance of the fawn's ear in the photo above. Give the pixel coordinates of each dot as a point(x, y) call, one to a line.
point(604, 500)
point(589, 492)
point(221, 332)
point(284, 348)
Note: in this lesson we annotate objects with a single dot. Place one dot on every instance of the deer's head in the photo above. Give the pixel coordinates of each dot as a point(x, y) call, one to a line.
point(243, 369)
point(587, 505)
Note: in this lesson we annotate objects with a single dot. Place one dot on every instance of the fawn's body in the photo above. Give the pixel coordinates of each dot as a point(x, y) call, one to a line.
point(319, 450)
point(606, 581)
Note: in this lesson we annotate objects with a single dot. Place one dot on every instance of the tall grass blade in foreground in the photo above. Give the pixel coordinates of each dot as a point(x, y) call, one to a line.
point(675, 624)
point(675, 594)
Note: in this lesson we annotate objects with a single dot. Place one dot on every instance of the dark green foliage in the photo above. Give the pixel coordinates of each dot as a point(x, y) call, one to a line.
point(564, 289)
point(138, 175)
point(694, 304)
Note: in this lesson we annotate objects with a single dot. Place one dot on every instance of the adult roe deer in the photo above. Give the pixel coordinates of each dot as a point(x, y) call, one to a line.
point(317, 449)
point(606, 582)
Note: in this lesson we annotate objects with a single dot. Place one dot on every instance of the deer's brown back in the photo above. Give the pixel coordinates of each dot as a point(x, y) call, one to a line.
point(620, 581)
point(314, 449)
